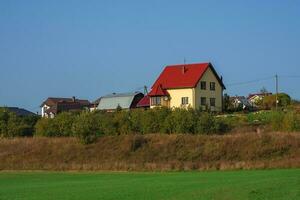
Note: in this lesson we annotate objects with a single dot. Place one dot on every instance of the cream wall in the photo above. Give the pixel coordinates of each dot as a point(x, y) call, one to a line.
point(177, 94)
point(217, 94)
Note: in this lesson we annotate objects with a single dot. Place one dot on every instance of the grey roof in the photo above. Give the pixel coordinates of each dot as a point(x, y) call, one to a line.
point(112, 101)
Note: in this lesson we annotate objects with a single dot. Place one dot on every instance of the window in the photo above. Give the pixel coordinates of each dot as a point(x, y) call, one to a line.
point(212, 86)
point(213, 102)
point(184, 100)
point(203, 101)
point(155, 101)
point(203, 85)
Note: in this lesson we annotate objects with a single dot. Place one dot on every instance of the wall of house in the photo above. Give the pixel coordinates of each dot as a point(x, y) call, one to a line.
point(44, 108)
point(164, 102)
point(217, 94)
point(177, 94)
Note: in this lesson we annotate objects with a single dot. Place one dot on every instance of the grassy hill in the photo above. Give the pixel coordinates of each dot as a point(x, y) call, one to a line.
point(153, 152)
point(254, 185)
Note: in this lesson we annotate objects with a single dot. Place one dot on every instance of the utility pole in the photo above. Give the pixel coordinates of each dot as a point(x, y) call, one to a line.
point(276, 80)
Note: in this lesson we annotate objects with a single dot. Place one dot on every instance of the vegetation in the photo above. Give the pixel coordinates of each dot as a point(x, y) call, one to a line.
point(153, 152)
point(270, 184)
point(88, 126)
point(12, 125)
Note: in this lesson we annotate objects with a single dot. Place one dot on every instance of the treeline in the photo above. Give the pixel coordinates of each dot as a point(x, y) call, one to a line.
point(88, 126)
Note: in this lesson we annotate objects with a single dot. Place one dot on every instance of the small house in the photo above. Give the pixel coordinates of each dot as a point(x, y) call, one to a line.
point(195, 86)
point(54, 105)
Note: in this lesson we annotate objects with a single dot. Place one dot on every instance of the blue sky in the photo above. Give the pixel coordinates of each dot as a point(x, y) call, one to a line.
point(91, 48)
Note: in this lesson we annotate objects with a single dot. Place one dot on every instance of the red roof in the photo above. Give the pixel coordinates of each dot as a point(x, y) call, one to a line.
point(157, 90)
point(180, 76)
point(144, 102)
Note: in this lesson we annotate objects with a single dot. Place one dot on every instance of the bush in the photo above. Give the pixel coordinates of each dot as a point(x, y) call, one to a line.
point(12, 125)
point(86, 127)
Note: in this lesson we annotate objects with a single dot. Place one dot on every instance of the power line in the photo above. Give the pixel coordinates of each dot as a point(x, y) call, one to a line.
point(252, 81)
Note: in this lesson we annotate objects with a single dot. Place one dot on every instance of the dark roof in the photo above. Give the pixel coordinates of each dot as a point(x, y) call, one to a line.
point(66, 106)
point(51, 101)
point(19, 111)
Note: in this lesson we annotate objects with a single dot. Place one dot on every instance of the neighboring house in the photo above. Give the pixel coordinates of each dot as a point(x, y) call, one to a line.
point(144, 102)
point(240, 102)
point(20, 111)
point(122, 100)
point(196, 86)
point(255, 99)
point(52, 106)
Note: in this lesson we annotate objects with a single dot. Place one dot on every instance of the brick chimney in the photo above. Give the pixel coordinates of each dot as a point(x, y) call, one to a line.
point(73, 98)
point(183, 69)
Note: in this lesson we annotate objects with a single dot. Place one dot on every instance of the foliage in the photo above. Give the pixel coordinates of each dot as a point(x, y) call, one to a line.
point(86, 127)
point(12, 125)
point(269, 102)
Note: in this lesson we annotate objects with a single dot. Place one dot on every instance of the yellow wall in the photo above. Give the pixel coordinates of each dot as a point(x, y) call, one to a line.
point(177, 94)
point(218, 93)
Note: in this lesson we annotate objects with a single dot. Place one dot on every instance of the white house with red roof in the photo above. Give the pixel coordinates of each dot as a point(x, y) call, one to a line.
point(196, 86)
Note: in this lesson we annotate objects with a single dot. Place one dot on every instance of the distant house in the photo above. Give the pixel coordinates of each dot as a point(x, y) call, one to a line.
point(122, 100)
point(255, 99)
point(144, 102)
point(20, 111)
point(53, 105)
point(196, 86)
point(240, 102)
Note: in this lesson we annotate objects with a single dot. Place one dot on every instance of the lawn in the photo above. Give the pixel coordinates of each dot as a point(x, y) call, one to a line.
point(268, 184)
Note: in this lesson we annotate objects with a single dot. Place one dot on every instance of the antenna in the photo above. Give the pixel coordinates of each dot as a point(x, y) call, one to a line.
point(145, 90)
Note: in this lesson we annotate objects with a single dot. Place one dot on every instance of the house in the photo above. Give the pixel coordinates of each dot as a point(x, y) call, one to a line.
point(144, 102)
point(20, 111)
point(257, 98)
point(196, 86)
point(119, 100)
point(240, 102)
point(53, 105)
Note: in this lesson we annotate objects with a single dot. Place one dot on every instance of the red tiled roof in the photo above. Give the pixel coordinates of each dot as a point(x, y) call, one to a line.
point(182, 76)
point(144, 102)
point(157, 90)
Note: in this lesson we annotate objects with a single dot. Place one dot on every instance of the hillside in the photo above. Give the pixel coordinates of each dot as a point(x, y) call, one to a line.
point(153, 152)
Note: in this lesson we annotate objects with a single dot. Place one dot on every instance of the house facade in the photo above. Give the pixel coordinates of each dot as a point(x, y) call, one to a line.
point(196, 86)
point(54, 105)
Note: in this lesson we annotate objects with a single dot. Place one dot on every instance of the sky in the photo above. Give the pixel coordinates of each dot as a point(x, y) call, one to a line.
point(92, 48)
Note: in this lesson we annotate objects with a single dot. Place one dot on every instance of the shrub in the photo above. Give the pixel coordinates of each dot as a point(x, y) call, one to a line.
point(12, 125)
point(86, 127)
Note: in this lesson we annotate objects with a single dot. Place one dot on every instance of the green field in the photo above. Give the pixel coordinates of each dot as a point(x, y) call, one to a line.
point(269, 184)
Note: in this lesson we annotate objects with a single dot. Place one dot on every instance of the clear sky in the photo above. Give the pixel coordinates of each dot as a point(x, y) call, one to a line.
point(91, 48)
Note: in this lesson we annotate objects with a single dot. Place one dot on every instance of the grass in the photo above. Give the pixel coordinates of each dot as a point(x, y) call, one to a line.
point(260, 184)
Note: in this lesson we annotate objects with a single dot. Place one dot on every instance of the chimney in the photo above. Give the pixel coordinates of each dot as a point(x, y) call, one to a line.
point(73, 98)
point(183, 69)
